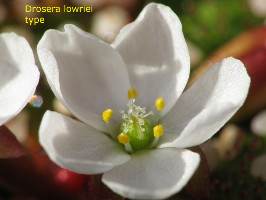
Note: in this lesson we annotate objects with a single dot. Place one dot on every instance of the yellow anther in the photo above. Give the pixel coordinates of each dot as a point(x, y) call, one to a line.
point(159, 103)
point(132, 93)
point(123, 138)
point(107, 115)
point(158, 130)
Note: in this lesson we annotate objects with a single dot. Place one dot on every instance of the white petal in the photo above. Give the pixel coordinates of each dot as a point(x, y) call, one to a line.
point(153, 174)
point(156, 54)
point(79, 147)
point(258, 124)
point(258, 167)
point(86, 74)
point(205, 107)
point(18, 75)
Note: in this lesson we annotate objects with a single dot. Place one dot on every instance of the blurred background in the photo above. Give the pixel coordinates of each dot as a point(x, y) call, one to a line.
point(234, 166)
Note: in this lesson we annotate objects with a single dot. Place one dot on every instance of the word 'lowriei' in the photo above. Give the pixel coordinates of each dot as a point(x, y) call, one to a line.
point(65, 9)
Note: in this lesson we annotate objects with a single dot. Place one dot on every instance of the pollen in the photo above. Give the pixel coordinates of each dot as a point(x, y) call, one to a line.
point(123, 138)
point(159, 103)
point(132, 93)
point(107, 115)
point(158, 130)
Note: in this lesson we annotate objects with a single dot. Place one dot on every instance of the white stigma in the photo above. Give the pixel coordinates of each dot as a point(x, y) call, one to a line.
point(135, 114)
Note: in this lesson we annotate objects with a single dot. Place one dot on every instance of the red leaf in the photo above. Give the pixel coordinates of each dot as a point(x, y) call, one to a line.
point(9, 146)
point(255, 62)
point(199, 185)
point(97, 190)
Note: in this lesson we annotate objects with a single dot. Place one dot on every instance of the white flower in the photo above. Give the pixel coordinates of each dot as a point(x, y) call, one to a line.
point(258, 126)
point(89, 76)
point(18, 75)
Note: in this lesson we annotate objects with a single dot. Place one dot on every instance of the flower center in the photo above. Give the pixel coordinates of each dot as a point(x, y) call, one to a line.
point(137, 126)
point(136, 130)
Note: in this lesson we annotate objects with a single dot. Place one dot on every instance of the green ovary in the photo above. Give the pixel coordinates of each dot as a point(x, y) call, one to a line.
point(140, 136)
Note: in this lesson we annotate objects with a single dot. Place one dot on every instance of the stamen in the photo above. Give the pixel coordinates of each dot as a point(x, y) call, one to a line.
point(132, 93)
point(158, 131)
point(123, 138)
point(107, 115)
point(128, 148)
point(154, 142)
point(159, 103)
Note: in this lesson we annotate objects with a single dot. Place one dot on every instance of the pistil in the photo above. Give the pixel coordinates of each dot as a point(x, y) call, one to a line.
point(136, 130)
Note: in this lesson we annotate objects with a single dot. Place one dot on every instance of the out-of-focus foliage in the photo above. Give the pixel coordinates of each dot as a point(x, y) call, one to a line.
point(232, 178)
point(211, 23)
